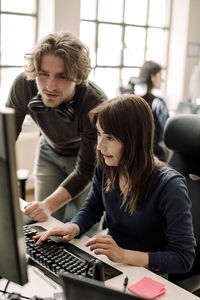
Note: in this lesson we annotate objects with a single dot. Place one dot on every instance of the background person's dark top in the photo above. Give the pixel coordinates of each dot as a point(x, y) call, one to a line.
point(160, 114)
point(162, 226)
point(77, 138)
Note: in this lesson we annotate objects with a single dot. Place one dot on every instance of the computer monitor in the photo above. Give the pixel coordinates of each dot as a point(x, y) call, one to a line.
point(12, 243)
point(76, 287)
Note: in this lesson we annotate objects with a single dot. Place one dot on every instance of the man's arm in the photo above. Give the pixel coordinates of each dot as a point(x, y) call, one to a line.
point(86, 159)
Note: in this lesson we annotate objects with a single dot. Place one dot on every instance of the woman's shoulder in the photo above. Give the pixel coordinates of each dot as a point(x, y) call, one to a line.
point(169, 190)
point(165, 173)
point(167, 177)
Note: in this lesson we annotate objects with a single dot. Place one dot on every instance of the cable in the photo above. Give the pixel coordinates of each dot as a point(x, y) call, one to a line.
point(6, 286)
point(90, 263)
point(10, 294)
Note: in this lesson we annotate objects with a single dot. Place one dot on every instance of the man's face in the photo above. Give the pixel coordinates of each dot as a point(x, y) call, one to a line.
point(51, 83)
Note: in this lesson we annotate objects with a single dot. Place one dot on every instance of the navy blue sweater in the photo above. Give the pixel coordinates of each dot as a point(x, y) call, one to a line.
point(162, 226)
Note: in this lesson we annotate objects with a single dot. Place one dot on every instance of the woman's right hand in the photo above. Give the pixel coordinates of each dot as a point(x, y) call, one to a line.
point(68, 231)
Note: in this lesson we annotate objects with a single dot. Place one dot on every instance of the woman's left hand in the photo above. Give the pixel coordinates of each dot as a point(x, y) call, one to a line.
point(104, 244)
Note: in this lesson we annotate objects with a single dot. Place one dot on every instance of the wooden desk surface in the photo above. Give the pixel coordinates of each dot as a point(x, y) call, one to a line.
point(43, 287)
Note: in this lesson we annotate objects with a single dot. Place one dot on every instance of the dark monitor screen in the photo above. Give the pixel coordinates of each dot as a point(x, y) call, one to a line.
point(12, 244)
point(76, 287)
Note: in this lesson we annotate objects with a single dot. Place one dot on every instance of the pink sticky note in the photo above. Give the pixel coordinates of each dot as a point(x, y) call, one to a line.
point(148, 288)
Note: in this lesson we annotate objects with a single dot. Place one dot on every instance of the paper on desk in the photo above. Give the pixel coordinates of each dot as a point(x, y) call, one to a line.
point(147, 288)
point(22, 204)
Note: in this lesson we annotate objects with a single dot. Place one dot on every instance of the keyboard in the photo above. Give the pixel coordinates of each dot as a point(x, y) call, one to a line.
point(54, 255)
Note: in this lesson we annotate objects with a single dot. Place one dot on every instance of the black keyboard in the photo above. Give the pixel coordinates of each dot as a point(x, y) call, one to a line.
point(55, 255)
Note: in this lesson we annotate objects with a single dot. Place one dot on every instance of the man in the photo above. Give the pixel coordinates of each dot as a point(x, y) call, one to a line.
point(55, 91)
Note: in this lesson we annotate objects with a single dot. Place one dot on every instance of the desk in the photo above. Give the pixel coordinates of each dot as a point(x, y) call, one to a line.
point(41, 286)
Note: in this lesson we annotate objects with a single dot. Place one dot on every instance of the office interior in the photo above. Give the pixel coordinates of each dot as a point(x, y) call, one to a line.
point(183, 56)
point(180, 56)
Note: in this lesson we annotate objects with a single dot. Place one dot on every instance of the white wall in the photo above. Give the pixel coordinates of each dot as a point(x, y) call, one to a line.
point(177, 52)
point(46, 20)
point(25, 150)
point(184, 30)
point(58, 15)
point(193, 44)
point(67, 16)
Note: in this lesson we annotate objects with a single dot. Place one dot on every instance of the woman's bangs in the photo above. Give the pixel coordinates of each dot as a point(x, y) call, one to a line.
point(108, 123)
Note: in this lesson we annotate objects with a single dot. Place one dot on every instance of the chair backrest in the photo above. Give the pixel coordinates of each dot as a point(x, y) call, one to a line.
point(182, 137)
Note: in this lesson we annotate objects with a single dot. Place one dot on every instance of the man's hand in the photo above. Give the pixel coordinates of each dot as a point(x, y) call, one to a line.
point(41, 211)
point(38, 211)
point(68, 231)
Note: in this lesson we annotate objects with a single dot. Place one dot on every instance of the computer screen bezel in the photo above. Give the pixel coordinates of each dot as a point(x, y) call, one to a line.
point(76, 287)
point(13, 264)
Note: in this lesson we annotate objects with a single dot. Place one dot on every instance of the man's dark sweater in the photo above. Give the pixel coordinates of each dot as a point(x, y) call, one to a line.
point(77, 138)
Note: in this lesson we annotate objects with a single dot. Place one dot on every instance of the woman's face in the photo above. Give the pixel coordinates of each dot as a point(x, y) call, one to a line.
point(156, 80)
point(110, 147)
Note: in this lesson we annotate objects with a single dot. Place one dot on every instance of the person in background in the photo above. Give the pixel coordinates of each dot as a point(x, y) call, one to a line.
point(146, 203)
point(151, 72)
point(54, 90)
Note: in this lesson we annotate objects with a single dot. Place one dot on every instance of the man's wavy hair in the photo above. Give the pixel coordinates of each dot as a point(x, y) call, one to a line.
point(65, 45)
point(129, 119)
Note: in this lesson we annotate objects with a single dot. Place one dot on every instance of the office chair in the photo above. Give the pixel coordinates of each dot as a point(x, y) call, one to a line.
point(136, 85)
point(182, 137)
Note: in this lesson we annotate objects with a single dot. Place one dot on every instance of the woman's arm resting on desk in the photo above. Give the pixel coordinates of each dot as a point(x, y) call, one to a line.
point(104, 244)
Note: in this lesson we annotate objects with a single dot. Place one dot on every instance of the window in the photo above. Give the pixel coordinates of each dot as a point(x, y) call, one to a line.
point(18, 34)
point(121, 35)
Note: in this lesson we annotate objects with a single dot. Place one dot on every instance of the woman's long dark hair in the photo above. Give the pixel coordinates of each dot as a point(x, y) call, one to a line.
point(129, 119)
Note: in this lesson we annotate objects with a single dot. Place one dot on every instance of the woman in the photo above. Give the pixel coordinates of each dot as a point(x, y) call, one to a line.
point(146, 203)
point(151, 72)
